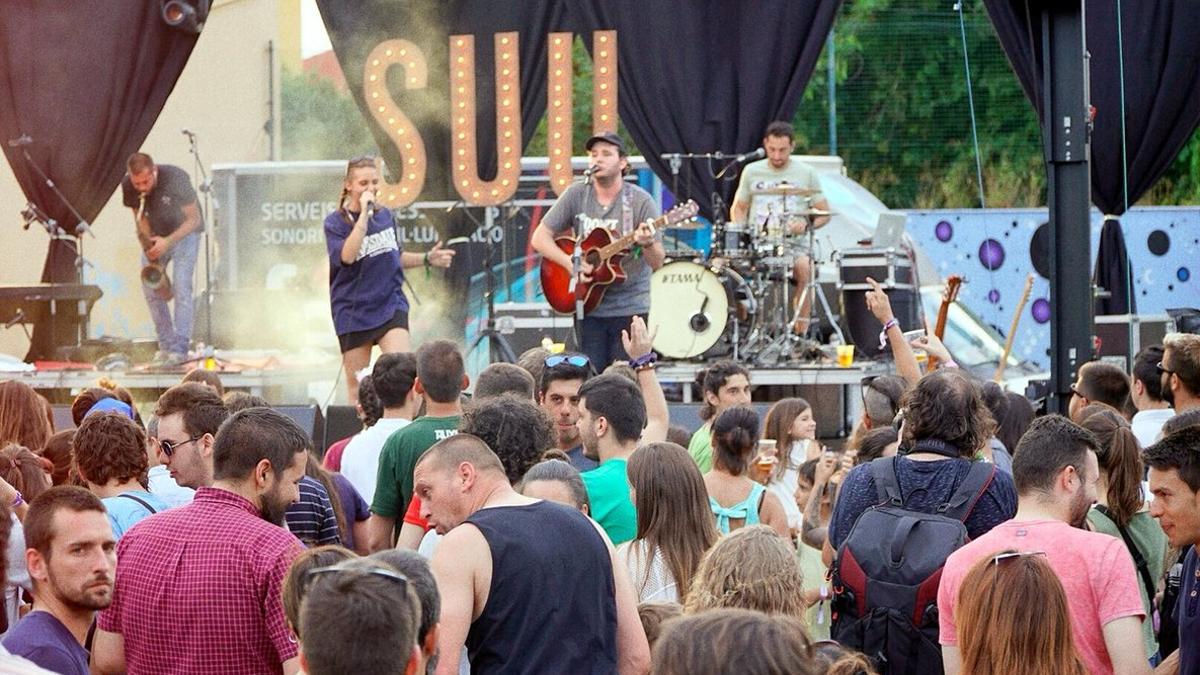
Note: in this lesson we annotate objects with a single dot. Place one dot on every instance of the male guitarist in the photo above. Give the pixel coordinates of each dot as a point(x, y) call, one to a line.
point(606, 201)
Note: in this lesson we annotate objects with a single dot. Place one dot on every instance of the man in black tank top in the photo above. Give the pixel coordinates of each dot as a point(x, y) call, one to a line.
point(527, 586)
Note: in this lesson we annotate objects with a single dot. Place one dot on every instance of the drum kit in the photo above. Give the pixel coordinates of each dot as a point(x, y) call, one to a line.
point(738, 302)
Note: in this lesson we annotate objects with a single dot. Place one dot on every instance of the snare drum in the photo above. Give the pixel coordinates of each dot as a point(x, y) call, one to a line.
point(736, 242)
point(693, 306)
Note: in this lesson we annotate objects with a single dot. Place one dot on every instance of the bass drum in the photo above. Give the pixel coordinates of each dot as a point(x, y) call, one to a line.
point(693, 306)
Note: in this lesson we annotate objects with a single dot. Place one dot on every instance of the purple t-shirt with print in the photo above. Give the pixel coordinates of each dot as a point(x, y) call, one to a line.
point(366, 293)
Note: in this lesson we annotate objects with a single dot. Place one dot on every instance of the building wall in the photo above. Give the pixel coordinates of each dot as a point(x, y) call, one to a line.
point(226, 95)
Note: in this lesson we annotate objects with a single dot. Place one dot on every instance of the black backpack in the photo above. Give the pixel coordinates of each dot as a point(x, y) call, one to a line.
point(886, 576)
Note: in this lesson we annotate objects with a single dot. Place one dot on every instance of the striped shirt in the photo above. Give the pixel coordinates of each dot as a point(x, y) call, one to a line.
point(312, 519)
point(198, 590)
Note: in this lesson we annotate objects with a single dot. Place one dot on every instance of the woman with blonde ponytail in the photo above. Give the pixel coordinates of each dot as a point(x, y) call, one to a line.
point(1120, 509)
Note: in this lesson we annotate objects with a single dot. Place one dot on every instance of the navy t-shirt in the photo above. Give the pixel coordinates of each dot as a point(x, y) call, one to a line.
point(1187, 616)
point(354, 507)
point(43, 639)
point(366, 293)
point(164, 205)
point(924, 486)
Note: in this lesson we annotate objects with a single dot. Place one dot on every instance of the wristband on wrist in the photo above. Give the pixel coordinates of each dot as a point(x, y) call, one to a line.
point(883, 333)
point(425, 259)
point(644, 361)
point(18, 500)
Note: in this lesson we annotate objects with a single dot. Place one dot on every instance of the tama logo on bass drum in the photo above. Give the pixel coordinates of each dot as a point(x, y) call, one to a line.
point(681, 278)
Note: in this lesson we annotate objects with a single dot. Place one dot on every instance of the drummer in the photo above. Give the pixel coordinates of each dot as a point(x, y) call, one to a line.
point(754, 202)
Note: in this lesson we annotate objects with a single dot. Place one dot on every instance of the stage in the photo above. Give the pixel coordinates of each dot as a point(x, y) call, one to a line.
point(834, 392)
point(281, 384)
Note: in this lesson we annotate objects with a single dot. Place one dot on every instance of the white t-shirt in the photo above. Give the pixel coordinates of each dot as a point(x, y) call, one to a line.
point(784, 487)
point(1147, 424)
point(165, 488)
point(760, 175)
point(360, 459)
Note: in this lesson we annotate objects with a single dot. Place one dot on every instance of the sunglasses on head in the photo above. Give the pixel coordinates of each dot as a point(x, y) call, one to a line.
point(357, 570)
point(577, 360)
point(1162, 369)
point(1009, 555)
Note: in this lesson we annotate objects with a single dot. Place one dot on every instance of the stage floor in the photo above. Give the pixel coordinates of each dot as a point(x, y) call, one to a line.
point(282, 384)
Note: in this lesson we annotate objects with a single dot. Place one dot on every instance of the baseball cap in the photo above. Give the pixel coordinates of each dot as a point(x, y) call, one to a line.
point(608, 137)
point(110, 405)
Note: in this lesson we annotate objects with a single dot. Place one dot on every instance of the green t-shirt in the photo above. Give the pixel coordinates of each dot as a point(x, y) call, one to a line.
point(608, 492)
point(819, 615)
point(700, 448)
point(398, 458)
point(1152, 543)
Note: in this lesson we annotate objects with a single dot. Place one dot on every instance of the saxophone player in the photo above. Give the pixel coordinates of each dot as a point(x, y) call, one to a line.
point(168, 220)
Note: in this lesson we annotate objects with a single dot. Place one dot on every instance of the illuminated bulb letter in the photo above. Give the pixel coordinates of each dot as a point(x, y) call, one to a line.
point(394, 122)
point(604, 81)
point(463, 148)
point(559, 117)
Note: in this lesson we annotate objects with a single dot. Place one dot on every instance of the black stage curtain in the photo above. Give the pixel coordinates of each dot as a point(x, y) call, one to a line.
point(354, 30)
point(86, 82)
point(705, 76)
point(1162, 74)
point(694, 76)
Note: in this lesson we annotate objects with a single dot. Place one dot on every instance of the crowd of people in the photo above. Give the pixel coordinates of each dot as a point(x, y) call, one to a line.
point(554, 521)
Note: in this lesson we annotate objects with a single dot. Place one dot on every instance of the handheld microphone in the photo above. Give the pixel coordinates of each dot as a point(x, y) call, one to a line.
point(22, 140)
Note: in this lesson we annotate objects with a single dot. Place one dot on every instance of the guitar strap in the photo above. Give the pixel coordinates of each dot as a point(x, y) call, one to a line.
point(627, 217)
point(626, 210)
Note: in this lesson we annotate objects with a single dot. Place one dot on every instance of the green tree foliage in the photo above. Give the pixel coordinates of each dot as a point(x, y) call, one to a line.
point(903, 118)
point(320, 121)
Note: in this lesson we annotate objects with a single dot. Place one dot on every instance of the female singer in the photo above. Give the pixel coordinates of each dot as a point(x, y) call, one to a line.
point(366, 272)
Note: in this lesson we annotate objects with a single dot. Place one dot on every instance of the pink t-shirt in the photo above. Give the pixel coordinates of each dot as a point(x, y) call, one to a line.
point(1095, 569)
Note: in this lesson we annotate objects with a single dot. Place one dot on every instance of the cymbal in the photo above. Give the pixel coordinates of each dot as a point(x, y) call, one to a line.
point(807, 213)
point(787, 191)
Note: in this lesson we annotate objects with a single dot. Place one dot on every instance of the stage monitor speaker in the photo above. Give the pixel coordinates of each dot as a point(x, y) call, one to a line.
point(893, 270)
point(862, 328)
point(341, 421)
point(309, 418)
point(525, 324)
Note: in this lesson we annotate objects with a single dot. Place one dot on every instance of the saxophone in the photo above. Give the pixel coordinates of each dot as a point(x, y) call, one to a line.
point(154, 276)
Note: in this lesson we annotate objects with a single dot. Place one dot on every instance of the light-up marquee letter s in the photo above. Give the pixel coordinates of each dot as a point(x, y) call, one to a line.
point(395, 123)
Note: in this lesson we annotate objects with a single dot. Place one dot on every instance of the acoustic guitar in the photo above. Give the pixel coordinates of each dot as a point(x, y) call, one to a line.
point(604, 253)
point(953, 282)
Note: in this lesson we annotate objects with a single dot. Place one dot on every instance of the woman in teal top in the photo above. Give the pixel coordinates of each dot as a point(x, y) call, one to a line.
point(1120, 509)
point(735, 499)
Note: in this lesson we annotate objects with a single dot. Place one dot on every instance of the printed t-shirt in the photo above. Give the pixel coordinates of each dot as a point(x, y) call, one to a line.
point(398, 458)
point(1095, 569)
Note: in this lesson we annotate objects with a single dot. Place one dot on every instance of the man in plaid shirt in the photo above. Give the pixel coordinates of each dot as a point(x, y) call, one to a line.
point(198, 586)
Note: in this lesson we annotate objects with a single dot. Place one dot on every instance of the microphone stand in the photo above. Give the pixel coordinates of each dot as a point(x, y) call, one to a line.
point(498, 347)
point(57, 233)
point(205, 188)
